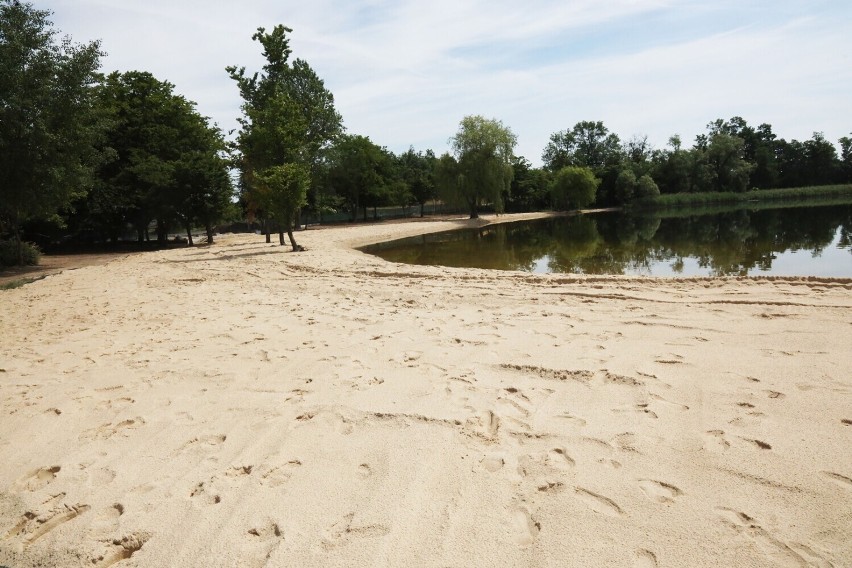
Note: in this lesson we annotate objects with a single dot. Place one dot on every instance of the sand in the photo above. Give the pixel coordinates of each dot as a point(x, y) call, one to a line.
point(241, 405)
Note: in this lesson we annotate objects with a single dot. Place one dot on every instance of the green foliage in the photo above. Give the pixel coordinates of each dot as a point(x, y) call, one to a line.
point(530, 187)
point(625, 186)
point(574, 187)
point(11, 254)
point(361, 172)
point(483, 163)
point(589, 144)
point(48, 118)
point(646, 188)
point(763, 195)
point(284, 189)
point(417, 173)
point(164, 160)
point(288, 116)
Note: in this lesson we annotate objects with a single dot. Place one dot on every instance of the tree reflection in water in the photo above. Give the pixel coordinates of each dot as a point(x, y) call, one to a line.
point(799, 241)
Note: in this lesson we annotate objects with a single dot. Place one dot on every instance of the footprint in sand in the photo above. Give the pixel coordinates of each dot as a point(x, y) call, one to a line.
point(659, 491)
point(122, 549)
point(493, 462)
point(265, 537)
point(643, 558)
point(485, 425)
point(715, 440)
point(109, 430)
point(776, 551)
point(36, 479)
point(571, 419)
point(559, 458)
point(599, 503)
point(277, 476)
point(205, 442)
point(32, 527)
point(841, 480)
point(341, 532)
point(524, 527)
point(106, 521)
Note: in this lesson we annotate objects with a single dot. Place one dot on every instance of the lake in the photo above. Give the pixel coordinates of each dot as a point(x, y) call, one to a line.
point(790, 241)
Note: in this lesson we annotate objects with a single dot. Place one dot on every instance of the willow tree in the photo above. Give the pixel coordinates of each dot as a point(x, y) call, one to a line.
point(288, 119)
point(481, 169)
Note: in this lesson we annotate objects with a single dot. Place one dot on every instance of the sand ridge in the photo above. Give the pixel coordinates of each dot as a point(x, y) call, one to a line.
point(240, 405)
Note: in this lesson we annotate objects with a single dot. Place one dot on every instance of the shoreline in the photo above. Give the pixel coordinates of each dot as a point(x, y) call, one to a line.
point(239, 404)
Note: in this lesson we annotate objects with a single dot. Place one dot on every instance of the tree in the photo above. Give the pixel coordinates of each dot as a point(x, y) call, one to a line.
point(203, 187)
point(589, 144)
point(483, 151)
point(360, 173)
point(719, 164)
point(625, 186)
point(646, 187)
point(163, 159)
point(574, 187)
point(48, 119)
point(285, 188)
point(417, 172)
point(288, 118)
point(846, 159)
point(530, 188)
point(823, 166)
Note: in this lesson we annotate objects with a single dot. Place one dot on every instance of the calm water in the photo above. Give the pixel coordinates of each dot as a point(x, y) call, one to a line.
point(801, 241)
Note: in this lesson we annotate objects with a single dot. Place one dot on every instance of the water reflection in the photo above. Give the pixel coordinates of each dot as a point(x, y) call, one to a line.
point(813, 241)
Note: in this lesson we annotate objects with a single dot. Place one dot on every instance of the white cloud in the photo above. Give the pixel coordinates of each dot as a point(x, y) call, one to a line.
point(405, 72)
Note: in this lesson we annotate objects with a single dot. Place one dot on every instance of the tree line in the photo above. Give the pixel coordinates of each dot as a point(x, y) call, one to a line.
point(102, 157)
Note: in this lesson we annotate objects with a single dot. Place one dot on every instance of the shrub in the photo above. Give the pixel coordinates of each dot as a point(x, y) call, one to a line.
point(9, 253)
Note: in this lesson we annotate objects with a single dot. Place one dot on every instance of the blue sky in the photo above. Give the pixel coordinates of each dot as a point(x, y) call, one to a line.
point(405, 72)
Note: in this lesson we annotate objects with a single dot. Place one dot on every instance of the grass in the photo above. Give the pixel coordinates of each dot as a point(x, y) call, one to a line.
point(794, 194)
point(20, 282)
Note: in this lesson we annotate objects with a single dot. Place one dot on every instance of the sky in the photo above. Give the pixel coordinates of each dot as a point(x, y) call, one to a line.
point(405, 72)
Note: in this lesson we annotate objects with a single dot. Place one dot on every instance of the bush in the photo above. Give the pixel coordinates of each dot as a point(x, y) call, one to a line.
point(574, 187)
point(9, 253)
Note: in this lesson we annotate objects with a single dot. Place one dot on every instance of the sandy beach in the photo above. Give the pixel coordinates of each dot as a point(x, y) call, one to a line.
point(240, 405)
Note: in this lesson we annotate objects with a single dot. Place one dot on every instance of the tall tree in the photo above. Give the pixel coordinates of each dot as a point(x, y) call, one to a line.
point(846, 159)
point(48, 118)
point(360, 172)
point(417, 172)
point(530, 188)
point(589, 144)
point(154, 135)
point(288, 118)
point(203, 188)
point(483, 151)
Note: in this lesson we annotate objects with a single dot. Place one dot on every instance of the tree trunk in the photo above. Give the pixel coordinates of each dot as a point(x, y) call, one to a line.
point(474, 214)
point(296, 248)
point(365, 213)
point(421, 210)
point(209, 229)
point(267, 229)
point(375, 214)
point(162, 233)
point(188, 235)
point(18, 244)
